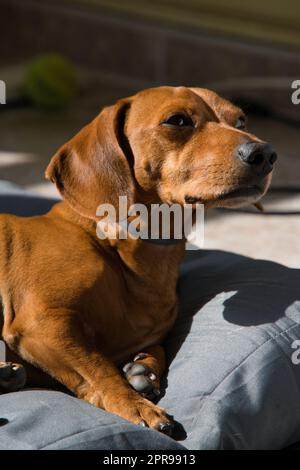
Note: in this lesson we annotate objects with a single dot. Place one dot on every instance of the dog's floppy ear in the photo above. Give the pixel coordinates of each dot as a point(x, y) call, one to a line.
point(92, 168)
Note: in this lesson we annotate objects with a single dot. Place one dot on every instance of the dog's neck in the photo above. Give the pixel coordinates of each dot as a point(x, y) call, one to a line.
point(139, 257)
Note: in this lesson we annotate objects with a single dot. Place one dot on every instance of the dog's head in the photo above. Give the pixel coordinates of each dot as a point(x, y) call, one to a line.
point(173, 145)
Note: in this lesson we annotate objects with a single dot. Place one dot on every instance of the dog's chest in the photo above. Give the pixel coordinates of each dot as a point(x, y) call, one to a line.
point(137, 324)
point(138, 306)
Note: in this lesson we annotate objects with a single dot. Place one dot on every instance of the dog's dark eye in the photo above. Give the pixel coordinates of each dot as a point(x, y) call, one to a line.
point(178, 120)
point(240, 123)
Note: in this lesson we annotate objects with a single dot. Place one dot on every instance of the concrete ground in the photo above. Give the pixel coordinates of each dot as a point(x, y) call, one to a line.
point(29, 137)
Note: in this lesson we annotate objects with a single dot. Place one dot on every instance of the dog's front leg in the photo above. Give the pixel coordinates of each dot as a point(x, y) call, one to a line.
point(66, 353)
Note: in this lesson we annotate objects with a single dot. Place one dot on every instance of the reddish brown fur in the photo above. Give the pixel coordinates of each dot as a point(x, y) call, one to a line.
point(77, 307)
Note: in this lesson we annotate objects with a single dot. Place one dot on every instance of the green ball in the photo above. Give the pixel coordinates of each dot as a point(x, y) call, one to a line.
point(51, 81)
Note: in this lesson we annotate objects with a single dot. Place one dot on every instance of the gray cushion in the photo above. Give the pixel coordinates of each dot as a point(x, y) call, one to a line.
point(43, 419)
point(231, 381)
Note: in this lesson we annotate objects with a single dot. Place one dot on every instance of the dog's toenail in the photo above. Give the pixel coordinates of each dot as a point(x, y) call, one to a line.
point(143, 423)
point(166, 428)
point(140, 356)
point(152, 376)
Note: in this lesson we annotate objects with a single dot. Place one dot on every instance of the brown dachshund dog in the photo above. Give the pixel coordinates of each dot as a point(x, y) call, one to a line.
point(81, 309)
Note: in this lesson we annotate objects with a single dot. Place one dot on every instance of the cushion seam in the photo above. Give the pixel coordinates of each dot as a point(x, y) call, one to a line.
point(254, 352)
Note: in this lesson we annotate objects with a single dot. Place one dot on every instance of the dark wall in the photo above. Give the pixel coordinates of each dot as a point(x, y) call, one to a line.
point(141, 53)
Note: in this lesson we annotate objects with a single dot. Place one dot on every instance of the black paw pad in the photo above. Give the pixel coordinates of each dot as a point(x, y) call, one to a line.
point(141, 378)
point(12, 377)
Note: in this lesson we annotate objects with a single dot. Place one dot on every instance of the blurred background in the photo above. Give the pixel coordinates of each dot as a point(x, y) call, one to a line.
point(62, 61)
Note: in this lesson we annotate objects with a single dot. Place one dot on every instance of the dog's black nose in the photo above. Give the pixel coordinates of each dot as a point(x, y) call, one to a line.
point(259, 155)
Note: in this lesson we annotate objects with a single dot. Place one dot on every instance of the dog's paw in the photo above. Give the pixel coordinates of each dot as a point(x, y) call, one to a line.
point(142, 378)
point(155, 418)
point(12, 377)
point(141, 411)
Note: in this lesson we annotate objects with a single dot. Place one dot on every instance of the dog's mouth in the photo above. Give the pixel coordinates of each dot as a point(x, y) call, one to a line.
point(246, 192)
point(238, 195)
point(242, 196)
